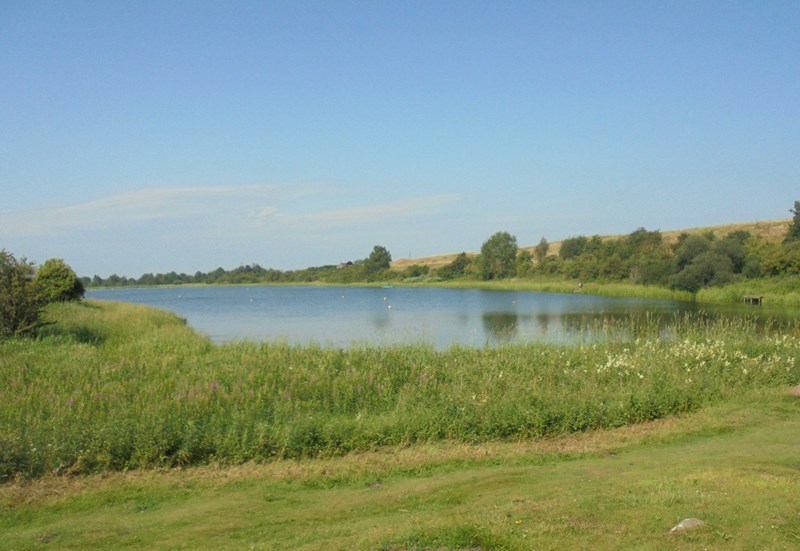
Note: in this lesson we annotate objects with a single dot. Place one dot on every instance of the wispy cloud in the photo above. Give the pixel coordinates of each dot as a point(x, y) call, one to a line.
point(409, 208)
point(381, 213)
point(147, 205)
point(222, 212)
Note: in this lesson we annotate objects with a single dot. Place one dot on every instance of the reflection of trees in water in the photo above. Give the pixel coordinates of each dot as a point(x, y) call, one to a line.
point(381, 320)
point(502, 326)
point(587, 326)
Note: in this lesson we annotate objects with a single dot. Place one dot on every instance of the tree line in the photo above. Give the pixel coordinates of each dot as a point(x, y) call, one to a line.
point(641, 257)
point(375, 267)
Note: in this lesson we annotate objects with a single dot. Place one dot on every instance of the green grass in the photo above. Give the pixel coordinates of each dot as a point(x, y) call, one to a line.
point(735, 466)
point(184, 445)
point(112, 387)
point(777, 292)
point(561, 285)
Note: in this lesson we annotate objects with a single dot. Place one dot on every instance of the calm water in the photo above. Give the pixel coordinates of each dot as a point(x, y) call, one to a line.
point(343, 316)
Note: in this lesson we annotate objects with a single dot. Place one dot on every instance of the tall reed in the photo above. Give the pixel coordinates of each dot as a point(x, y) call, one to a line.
point(111, 386)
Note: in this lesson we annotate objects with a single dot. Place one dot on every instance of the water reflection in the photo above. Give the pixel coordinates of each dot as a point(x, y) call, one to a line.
point(501, 326)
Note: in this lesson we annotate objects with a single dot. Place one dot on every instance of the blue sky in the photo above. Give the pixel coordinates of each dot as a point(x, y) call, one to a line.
point(155, 136)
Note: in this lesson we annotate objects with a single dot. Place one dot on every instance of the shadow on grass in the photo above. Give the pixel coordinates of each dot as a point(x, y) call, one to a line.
point(465, 537)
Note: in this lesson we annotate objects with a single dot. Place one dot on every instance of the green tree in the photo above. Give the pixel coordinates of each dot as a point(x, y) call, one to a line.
point(456, 268)
point(524, 263)
point(57, 282)
point(498, 256)
point(416, 270)
point(793, 234)
point(732, 247)
point(541, 250)
point(20, 302)
point(379, 259)
point(689, 247)
point(707, 268)
point(650, 268)
point(573, 247)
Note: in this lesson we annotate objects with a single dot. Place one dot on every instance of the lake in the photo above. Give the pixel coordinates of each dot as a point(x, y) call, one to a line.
point(346, 316)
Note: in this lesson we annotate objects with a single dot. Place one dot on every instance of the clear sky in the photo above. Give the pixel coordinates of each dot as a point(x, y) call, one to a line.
point(155, 136)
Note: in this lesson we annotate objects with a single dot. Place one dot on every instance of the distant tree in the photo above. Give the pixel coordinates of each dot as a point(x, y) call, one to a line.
point(498, 256)
point(732, 247)
point(706, 269)
point(573, 247)
point(650, 268)
point(57, 282)
point(379, 259)
point(688, 249)
point(416, 270)
point(541, 250)
point(20, 301)
point(642, 241)
point(524, 263)
point(793, 234)
point(752, 266)
point(456, 268)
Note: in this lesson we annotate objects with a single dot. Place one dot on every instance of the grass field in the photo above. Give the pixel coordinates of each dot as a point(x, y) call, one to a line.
point(122, 428)
point(735, 466)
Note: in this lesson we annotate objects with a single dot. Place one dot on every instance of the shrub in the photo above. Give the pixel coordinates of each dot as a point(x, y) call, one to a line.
point(56, 282)
point(20, 301)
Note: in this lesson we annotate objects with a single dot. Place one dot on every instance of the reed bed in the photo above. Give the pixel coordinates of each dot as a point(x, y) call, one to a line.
point(781, 291)
point(561, 285)
point(112, 387)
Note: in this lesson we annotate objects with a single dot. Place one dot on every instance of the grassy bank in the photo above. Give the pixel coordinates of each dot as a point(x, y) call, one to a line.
point(777, 291)
point(112, 387)
point(558, 285)
point(735, 466)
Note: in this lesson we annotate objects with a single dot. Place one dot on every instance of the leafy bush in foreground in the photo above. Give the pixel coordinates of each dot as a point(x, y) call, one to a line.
point(20, 300)
point(57, 282)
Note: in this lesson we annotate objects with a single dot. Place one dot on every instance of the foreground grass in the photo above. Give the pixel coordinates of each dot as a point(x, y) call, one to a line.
point(735, 466)
point(112, 387)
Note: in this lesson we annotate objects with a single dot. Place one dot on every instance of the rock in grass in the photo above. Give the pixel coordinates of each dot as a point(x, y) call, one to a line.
point(687, 524)
point(795, 391)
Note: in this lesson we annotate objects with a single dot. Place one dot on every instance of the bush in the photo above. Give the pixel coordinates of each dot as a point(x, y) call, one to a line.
point(56, 282)
point(21, 302)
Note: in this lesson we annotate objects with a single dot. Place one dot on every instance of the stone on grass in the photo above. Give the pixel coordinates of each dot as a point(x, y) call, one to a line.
point(687, 524)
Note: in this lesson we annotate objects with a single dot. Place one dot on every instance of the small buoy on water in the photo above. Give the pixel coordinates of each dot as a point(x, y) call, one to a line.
point(390, 307)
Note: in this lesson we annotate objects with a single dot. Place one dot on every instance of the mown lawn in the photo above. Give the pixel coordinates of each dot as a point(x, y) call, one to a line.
point(735, 466)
